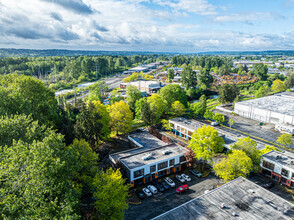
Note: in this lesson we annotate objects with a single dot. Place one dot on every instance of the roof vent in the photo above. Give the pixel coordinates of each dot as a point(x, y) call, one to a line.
point(278, 157)
point(166, 152)
point(234, 214)
point(223, 205)
point(292, 162)
point(147, 156)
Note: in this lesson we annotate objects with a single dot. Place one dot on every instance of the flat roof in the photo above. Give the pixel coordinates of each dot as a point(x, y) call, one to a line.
point(229, 138)
point(240, 196)
point(136, 160)
point(285, 158)
point(147, 140)
point(282, 103)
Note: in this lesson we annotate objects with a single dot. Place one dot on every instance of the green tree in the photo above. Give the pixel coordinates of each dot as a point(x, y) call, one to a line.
point(178, 109)
point(110, 194)
point(260, 70)
point(289, 82)
point(204, 78)
point(278, 86)
point(139, 104)
point(262, 91)
point(88, 161)
point(209, 115)
point(171, 93)
point(189, 78)
point(202, 105)
point(133, 94)
point(21, 127)
point(249, 146)
point(89, 124)
point(29, 96)
point(285, 139)
point(147, 115)
point(231, 122)
point(37, 180)
point(121, 117)
point(236, 164)
point(228, 93)
point(97, 91)
point(156, 106)
point(170, 74)
point(220, 118)
point(205, 142)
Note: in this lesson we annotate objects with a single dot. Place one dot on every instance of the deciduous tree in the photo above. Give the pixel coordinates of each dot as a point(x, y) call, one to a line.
point(171, 93)
point(236, 164)
point(110, 194)
point(121, 117)
point(205, 142)
point(178, 109)
point(285, 139)
point(133, 95)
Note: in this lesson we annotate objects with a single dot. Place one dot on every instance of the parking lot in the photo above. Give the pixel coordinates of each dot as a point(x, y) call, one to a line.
point(164, 201)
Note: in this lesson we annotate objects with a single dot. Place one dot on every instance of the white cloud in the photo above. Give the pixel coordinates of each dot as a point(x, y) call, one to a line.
point(126, 25)
point(247, 17)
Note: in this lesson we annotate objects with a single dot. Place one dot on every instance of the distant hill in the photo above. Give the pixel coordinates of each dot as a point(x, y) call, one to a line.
point(56, 52)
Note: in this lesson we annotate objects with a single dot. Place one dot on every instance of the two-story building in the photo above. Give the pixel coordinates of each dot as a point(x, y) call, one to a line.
point(279, 166)
point(150, 159)
point(184, 128)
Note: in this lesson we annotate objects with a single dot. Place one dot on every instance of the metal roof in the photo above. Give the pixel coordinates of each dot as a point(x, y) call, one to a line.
point(242, 199)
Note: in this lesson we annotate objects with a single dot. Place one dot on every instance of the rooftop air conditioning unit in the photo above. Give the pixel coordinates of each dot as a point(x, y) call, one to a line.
point(147, 156)
point(223, 205)
point(166, 152)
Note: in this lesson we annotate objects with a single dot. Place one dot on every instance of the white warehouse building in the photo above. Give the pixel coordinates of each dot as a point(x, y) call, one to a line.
point(276, 109)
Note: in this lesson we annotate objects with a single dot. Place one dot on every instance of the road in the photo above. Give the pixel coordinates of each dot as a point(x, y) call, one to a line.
point(113, 82)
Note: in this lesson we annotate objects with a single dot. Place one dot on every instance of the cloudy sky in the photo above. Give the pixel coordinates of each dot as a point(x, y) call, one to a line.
point(148, 25)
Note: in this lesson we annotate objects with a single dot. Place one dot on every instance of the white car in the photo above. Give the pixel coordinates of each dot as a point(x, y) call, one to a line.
point(147, 192)
point(180, 178)
point(186, 177)
point(170, 182)
point(152, 189)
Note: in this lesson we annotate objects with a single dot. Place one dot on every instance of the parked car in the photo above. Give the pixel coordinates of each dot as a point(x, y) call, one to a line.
point(196, 173)
point(170, 182)
point(180, 178)
point(186, 177)
point(214, 123)
point(182, 188)
point(269, 185)
point(140, 194)
point(147, 192)
point(159, 186)
point(165, 185)
point(152, 189)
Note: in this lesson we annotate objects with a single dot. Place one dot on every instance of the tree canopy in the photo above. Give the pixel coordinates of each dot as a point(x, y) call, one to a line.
point(205, 142)
point(236, 164)
point(121, 117)
point(133, 95)
point(171, 93)
point(189, 78)
point(228, 93)
point(29, 96)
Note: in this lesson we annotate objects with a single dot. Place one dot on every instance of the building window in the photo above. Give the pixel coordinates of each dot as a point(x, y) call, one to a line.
point(161, 166)
point(172, 162)
point(182, 159)
point(268, 165)
point(285, 172)
point(152, 168)
point(138, 173)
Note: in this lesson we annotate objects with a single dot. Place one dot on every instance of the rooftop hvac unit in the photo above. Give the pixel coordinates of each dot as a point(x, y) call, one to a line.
point(147, 156)
point(292, 162)
point(223, 205)
point(166, 152)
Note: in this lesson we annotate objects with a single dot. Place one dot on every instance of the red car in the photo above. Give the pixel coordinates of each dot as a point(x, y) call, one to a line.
point(182, 188)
